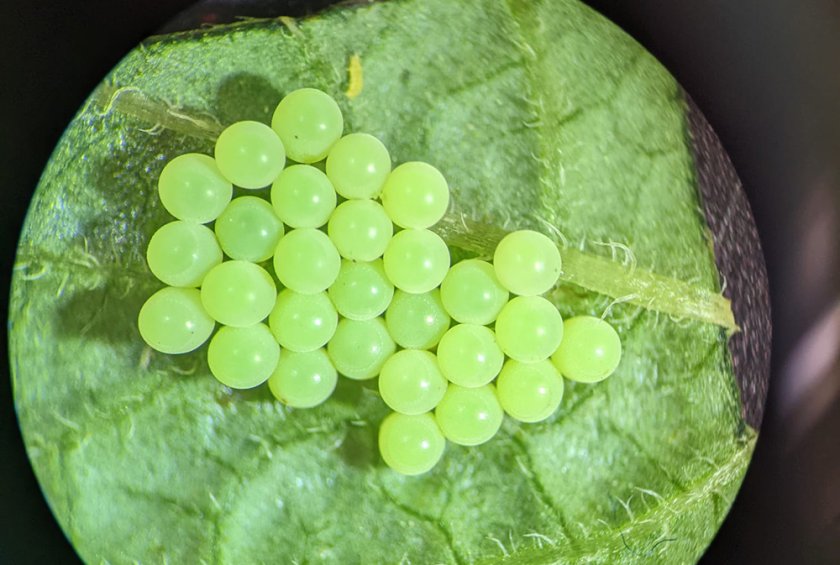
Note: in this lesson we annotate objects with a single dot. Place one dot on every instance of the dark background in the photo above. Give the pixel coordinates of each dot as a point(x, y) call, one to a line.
point(767, 75)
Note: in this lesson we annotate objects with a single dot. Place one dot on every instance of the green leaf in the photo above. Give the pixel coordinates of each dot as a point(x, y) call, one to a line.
point(538, 113)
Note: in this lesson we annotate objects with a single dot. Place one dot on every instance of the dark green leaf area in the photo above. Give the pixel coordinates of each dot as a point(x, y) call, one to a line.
point(540, 114)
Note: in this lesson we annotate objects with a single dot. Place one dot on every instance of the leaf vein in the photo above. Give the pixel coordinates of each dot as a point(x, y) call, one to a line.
point(436, 523)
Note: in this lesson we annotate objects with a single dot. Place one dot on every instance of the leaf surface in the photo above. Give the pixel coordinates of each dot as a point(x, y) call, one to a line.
point(539, 113)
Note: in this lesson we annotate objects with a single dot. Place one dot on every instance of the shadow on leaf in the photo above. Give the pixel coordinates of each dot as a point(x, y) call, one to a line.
point(359, 448)
point(246, 96)
point(107, 313)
